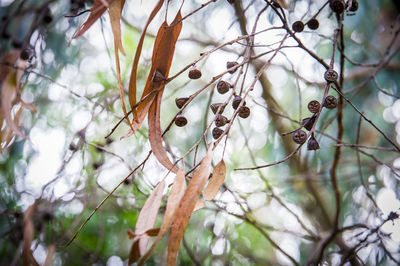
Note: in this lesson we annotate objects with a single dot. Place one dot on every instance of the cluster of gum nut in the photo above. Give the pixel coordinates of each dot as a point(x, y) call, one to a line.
point(217, 108)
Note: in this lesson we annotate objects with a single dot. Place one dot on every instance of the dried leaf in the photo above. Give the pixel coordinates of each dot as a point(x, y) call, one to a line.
point(147, 218)
point(163, 53)
point(132, 81)
point(186, 207)
point(216, 180)
point(177, 191)
point(150, 232)
point(97, 10)
point(29, 231)
point(7, 63)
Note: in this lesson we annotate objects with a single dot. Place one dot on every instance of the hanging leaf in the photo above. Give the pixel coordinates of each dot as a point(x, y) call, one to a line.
point(216, 181)
point(186, 207)
point(147, 218)
point(132, 81)
point(177, 191)
point(163, 53)
point(28, 232)
point(97, 10)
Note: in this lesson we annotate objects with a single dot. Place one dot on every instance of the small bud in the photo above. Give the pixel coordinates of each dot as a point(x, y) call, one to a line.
point(312, 144)
point(354, 6)
point(217, 132)
point(299, 136)
point(194, 73)
point(72, 147)
point(230, 65)
point(223, 86)
point(25, 54)
point(314, 106)
point(298, 26)
point(220, 120)
point(244, 112)
point(313, 24)
point(337, 6)
point(181, 101)
point(236, 101)
point(180, 120)
point(330, 102)
point(308, 123)
point(331, 75)
point(158, 76)
point(214, 107)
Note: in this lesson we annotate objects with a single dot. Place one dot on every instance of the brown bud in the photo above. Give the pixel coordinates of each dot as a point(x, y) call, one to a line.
point(312, 144)
point(217, 132)
point(308, 123)
point(25, 54)
point(214, 107)
point(244, 112)
point(72, 147)
point(220, 120)
point(337, 6)
point(331, 75)
point(354, 6)
point(180, 120)
point(194, 73)
point(313, 106)
point(298, 26)
point(330, 102)
point(181, 101)
point(236, 101)
point(230, 65)
point(158, 76)
point(299, 136)
point(313, 24)
point(223, 86)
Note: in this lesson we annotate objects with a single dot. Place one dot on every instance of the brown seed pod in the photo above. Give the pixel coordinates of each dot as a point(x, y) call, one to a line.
point(25, 54)
point(313, 106)
point(223, 86)
point(181, 101)
point(312, 144)
point(337, 6)
point(194, 73)
point(330, 102)
point(214, 107)
point(299, 136)
point(298, 26)
point(158, 76)
point(230, 65)
point(308, 123)
point(354, 6)
point(72, 147)
point(244, 112)
point(217, 132)
point(180, 120)
point(220, 120)
point(236, 101)
point(313, 24)
point(331, 75)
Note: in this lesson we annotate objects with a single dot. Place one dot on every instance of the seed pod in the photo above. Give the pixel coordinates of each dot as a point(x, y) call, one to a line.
point(337, 6)
point(313, 24)
point(181, 101)
point(299, 136)
point(72, 147)
point(330, 102)
point(180, 120)
point(158, 76)
point(194, 73)
point(127, 181)
point(313, 106)
point(220, 120)
point(312, 144)
point(331, 75)
point(236, 101)
point(298, 26)
point(223, 86)
point(214, 107)
point(217, 132)
point(244, 112)
point(308, 123)
point(47, 18)
point(25, 54)
point(230, 65)
point(354, 6)
point(109, 141)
